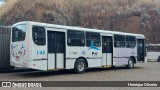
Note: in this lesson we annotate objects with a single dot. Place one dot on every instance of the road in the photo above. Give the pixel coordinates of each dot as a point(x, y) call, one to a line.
point(142, 72)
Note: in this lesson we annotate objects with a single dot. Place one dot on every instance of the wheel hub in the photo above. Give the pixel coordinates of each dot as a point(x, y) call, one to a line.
point(131, 63)
point(81, 66)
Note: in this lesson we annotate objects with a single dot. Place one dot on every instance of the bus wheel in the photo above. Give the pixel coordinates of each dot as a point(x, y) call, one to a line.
point(80, 66)
point(130, 63)
point(158, 59)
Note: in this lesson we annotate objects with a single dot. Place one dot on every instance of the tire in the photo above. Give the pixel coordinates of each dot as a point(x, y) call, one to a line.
point(130, 63)
point(158, 59)
point(80, 66)
point(113, 67)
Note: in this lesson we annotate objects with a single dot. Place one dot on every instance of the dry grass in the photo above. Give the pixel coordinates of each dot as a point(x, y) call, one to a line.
point(7, 7)
point(17, 10)
point(121, 15)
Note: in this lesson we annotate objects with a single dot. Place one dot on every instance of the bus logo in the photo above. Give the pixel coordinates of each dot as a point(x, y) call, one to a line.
point(94, 53)
point(93, 46)
point(22, 47)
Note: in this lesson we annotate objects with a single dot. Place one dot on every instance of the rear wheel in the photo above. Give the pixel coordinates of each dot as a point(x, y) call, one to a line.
point(80, 66)
point(130, 63)
point(113, 67)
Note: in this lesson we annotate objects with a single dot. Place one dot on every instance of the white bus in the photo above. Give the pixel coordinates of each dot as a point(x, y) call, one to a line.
point(153, 52)
point(50, 47)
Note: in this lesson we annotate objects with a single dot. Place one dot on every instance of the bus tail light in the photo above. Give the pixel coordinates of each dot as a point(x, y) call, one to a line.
point(17, 57)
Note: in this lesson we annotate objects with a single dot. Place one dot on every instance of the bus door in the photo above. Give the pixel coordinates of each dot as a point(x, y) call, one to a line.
point(56, 50)
point(141, 51)
point(107, 50)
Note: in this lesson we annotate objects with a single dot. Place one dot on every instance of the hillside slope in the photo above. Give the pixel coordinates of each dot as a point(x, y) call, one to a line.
point(135, 16)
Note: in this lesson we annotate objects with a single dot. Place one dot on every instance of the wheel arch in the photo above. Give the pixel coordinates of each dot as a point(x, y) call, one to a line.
point(134, 59)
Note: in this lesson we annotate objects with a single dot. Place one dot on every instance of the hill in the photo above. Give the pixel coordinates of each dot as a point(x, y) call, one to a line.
point(135, 16)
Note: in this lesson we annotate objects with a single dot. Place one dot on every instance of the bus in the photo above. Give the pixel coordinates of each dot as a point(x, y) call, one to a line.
point(153, 52)
point(46, 47)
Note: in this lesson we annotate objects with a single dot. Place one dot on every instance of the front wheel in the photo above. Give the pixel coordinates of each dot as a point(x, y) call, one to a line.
point(80, 66)
point(130, 63)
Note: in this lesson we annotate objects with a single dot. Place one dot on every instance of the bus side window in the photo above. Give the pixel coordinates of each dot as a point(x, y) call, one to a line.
point(39, 35)
point(75, 38)
point(130, 41)
point(19, 33)
point(93, 37)
point(119, 41)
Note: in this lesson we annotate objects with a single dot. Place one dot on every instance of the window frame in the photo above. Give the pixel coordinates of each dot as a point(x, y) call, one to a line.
point(100, 40)
point(124, 45)
point(38, 35)
point(24, 36)
point(129, 40)
point(83, 44)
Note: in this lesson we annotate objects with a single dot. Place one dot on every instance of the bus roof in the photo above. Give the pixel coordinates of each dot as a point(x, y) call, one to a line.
point(78, 28)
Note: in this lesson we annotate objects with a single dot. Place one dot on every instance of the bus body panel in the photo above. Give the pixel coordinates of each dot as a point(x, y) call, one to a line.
point(109, 59)
point(93, 57)
point(39, 65)
point(94, 62)
point(38, 54)
point(76, 52)
point(70, 63)
point(51, 61)
point(122, 55)
point(20, 51)
point(153, 56)
point(153, 52)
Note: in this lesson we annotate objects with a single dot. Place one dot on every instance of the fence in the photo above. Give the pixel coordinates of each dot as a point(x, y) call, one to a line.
point(5, 47)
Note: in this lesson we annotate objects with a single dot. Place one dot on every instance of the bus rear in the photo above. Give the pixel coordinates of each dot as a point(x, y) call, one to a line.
point(19, 46)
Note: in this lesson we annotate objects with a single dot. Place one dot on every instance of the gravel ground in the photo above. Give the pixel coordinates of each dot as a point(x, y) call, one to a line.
point(142, 72)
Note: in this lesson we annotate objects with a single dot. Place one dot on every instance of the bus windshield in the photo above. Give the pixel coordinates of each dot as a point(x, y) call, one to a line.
point(19, 33)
